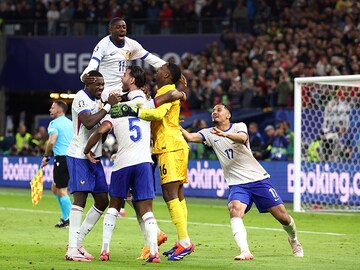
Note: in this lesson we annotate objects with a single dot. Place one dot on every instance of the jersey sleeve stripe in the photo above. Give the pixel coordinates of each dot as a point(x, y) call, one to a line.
point(96, 59)
point(142, 58)
point(86, 110)
point(202, 135)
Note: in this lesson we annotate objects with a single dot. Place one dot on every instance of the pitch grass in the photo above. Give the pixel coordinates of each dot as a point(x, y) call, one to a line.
point(28, 239)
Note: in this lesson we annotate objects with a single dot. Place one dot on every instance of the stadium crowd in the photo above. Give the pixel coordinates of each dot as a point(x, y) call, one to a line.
point(263, 45)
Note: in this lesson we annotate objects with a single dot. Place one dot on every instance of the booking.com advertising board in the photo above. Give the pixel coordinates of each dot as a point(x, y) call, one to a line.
point(55, 63)
point(206, 178)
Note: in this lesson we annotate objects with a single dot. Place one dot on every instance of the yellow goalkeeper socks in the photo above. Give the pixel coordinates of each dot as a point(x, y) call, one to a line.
point(184, 207)
point(178, 217)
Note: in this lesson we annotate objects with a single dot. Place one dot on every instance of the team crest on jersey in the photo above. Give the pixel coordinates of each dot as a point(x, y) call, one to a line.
point(81, 103)
point(127, 55)
point(82, 182)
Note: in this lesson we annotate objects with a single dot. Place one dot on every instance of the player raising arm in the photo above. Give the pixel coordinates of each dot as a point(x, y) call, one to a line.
point(86, 177)
point(112, 56)
point(247, 179)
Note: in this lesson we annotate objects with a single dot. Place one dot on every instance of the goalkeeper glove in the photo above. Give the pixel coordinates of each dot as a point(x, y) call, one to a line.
point(122, 110)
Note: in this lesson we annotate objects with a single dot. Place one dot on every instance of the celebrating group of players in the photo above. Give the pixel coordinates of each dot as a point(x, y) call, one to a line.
point(102, 106)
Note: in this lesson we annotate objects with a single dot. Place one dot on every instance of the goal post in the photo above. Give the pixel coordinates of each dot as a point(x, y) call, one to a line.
point(326, 144)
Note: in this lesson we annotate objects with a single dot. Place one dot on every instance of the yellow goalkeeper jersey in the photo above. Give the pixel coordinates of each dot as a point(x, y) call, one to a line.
point(165, 125)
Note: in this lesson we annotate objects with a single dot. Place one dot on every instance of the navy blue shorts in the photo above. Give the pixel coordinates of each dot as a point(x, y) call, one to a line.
point(139, 178)
point(262, 193)
point(86, 176)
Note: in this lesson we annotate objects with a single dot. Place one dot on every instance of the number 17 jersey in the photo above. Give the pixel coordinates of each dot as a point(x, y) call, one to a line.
point(236, 159)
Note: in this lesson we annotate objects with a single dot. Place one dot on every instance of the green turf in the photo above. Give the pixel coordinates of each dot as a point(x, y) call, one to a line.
point(28, 239)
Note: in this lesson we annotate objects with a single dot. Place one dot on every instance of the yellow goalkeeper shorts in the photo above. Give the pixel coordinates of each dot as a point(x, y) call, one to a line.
point(173, 166)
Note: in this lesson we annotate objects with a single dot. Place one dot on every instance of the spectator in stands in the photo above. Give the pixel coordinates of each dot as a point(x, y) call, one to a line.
point(269, 137)
point(79, 19)
point(256, 140)
point(38, 141)
point(114, 10)
point(65, 16)
point(194, 98)
point(91, 20)
point(52, 16)
point(138, 15)
point(101, 12)
point(285, 91)
point(179, 20)
point(152, 13)
point(166, 18)
point(259, 100)
point(248, 94)
point(239, 16)
point(271, 97)
point(191, 19)
point(208, 12)
point(228, 38)
point(6, 142)
point(23, 139)
point(219, 96)
point(289, 135)
point(235, 93)
point(40, 17)
point(279, 145)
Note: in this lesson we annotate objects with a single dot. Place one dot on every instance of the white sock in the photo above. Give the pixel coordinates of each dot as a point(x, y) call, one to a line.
point(291, 230)
point(239, 233)
point(108, 228)
point(185, 242)
point(151, 231)
point(143, 231)
point(75, 218)
point(90, 220)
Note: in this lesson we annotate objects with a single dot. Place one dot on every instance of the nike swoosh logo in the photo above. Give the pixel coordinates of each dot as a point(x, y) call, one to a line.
point(217, 140)
point(111, 54)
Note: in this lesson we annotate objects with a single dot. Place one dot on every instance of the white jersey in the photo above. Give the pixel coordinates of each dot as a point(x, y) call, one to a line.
point(236, 159)
point(112, 62)
point(133, 136)
point(83, 103)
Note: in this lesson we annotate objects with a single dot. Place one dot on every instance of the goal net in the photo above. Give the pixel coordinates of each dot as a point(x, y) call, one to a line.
point(327, 144)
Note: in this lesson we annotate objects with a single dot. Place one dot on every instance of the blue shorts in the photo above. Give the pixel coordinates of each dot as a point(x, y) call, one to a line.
point(86, 176)
point(262, 193)
point(139, 178)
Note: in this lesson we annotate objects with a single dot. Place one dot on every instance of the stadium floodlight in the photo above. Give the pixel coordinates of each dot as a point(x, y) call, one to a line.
point(327, 143)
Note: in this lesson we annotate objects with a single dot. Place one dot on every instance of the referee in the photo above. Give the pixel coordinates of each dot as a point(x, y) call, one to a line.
point(60, 132)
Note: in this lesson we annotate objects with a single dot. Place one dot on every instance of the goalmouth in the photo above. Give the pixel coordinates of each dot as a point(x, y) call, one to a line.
point(327, 143)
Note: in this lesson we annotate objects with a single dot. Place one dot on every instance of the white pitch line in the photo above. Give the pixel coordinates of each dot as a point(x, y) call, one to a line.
point(189, 222)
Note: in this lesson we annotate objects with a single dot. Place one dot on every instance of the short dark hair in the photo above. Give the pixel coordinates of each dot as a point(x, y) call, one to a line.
point(115, 20)
point(229, 109)
point(138, 74)
point(62, 104)
point(175, 72)
point(95, 73)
